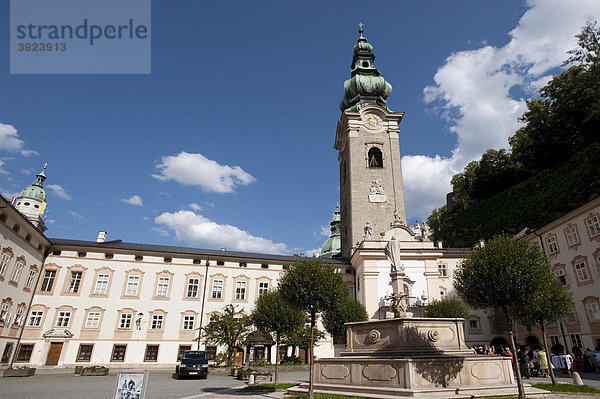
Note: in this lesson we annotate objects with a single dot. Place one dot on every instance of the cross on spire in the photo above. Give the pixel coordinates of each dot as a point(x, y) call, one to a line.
point(361, 30)
point(45, 164)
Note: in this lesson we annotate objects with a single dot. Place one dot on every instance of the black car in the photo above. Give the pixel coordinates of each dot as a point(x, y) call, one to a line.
point(192, 363)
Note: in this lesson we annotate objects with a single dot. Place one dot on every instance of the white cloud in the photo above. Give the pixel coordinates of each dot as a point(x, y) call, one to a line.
point(160, 231)
point(9, 139)
point(59, 191)
point(195, 229)
point(197, 170)
point(2, 171)
point(473, 93)
point(310, 252)
point(133, 200)
point(325, 231)
point(76, 215)
point(195, 207)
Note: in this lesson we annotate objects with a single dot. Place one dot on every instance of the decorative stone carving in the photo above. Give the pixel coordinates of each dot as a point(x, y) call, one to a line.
point(377, 192)
point(334, 372)
point(374, 336)
point(58, 333)
point(379, 372)
point(433, 335)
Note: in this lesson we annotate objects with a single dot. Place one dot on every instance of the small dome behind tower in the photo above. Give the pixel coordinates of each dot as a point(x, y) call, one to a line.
point(333, 246)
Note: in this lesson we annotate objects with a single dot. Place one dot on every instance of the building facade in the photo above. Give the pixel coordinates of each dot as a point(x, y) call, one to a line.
point(572, 243)
point(23, 248)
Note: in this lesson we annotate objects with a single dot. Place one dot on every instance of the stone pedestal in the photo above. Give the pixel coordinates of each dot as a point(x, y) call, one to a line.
point(416, 357)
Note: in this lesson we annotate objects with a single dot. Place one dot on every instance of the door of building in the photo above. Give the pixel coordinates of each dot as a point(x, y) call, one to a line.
point(238, 356)
point(54, 353)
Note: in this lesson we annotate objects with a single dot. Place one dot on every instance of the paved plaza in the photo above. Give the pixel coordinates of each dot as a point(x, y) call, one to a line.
point(59, 383)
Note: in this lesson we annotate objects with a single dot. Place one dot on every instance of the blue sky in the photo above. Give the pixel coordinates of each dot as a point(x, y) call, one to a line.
point(229, 141)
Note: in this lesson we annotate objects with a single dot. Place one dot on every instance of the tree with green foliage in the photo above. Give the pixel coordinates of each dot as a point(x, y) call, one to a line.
point(551, 302)
point(505, 273)
point(229, 328)
point(316, 288)
point(448, 307)
point(300, 338)
point(276, 315)
point(348, 311)
point(588, 52)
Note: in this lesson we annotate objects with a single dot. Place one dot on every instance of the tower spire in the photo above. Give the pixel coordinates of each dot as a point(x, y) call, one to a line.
point(366, 85)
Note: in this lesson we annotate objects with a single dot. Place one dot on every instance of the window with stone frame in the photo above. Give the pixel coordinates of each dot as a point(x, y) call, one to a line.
point(240, 290)
point(554, 340)
point(552, 244)
point(571, 235)
point(188, 322)
point(593, 225)
point(576, 340)
point(581, 270)
point(101, 286)
point(443, 270)
point(192, 287)
point(48, 280)
point(125, 320)
point(35, 318)
point(263, 286)
point(30, 277)
point(162, 286)
point(118, 353)
point(19, 314)
point(16, 274)
point(4, 309)
point(157, 322)
point(5, 258)
point(24, 353)
point(217, 289)
point(63, 319)
point(74, 281)
point(84, 354)
point(151, 354)
point(559, 274)
point(133, 283)
point(592, 307)
point(93, 320)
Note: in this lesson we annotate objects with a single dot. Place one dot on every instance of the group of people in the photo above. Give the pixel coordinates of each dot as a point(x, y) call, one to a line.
point(534, 361)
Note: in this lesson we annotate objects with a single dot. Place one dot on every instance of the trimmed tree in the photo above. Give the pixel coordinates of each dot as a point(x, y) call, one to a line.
point(276, 315)
point(316, 288)
point(550, 303)
point(229, 328)
point(503, 274)
point(447, 307)
point(348, 311)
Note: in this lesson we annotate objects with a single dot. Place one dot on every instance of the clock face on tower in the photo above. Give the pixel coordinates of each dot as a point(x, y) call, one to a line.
point(372, 122)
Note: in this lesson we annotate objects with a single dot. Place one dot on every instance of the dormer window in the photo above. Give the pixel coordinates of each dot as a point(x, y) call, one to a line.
point(167, 260)
point(81, 254)
point(139, 258)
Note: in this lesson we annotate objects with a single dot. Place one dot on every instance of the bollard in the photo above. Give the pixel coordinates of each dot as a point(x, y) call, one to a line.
point(577, 379)
point(251, 380)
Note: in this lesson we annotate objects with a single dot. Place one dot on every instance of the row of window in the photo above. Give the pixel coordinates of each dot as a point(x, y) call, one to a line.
point(163, 283)
point(7, 318)
point(16, 228)
point(84, 353)
point(575, 340)
point(17, 270)
point(581, 269)
point(592, 225)
point(125, 320)
point(139, 258)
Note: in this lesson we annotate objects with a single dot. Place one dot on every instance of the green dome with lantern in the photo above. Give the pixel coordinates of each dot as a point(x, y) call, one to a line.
point(366, 85)
point(36, 190)
point(333, 245)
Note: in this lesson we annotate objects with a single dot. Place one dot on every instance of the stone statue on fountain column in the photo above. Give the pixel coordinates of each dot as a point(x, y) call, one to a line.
point(392, 252)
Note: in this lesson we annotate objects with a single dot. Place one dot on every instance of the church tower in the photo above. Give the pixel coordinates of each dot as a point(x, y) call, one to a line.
point(32, 201)
point(371, 187)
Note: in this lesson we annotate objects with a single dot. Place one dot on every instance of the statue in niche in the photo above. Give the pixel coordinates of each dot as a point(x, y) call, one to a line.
point(392, 252)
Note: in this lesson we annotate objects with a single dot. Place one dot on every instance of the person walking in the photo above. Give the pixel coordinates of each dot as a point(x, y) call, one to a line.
point(543, 361)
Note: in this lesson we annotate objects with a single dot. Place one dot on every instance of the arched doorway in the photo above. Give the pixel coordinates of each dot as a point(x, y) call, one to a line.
point(532, 341)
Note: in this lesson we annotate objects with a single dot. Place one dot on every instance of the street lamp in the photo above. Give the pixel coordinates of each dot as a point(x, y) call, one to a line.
point(138, 321)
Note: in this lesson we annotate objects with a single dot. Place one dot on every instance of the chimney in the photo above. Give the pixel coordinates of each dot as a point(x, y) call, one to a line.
point(101, 236)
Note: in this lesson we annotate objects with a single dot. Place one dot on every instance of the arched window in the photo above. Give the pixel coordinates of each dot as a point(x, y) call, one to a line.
point(375, 158)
